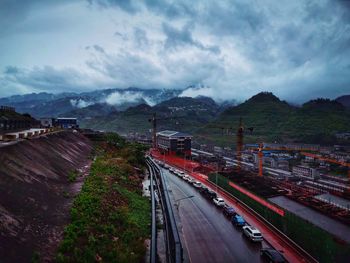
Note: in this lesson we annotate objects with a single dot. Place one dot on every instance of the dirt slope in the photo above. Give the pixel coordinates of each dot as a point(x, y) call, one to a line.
point(35, 193)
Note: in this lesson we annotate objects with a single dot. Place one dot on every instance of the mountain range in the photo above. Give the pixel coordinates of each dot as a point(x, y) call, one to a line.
point(273, 120)
point(53, 105)
point(179, 113)
point(129, 110)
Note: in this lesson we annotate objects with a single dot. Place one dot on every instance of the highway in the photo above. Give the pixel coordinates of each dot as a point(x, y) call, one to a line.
point(208, 236)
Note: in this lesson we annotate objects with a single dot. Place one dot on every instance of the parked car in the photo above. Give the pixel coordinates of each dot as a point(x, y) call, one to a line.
point(210, 194)
point(186, 177)
point(252, 233)
point(190, 180)
point(228, 211)
point(219, 201)
point(203, 189)
point(179, 174)
point(238, 220)
point(197, 184)
point(272, 255)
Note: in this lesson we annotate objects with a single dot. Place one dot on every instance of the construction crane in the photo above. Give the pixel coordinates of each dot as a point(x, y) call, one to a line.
point(239, 139)
point(260, 149)
point(326, 159)
point(154, 121)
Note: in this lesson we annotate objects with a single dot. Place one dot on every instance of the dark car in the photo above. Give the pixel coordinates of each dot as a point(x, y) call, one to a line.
point(228, 211)
point(203, 189)
point(210, 194)
point(272, 255)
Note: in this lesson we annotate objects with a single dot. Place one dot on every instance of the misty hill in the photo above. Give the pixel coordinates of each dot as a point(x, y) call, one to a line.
point(53, 105)
point(274, 120)
point(344, 100)
point(94, 110)
point(182, 113)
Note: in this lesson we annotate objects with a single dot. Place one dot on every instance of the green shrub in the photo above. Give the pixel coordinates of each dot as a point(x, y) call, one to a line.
point(109, 218)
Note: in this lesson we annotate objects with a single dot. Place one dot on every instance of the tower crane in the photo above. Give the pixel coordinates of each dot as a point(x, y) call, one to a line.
point(261, 148)
point(239, 139)
point(326, 159)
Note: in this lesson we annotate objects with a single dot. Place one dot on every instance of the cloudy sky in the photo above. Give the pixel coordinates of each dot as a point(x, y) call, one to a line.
point(230, 49)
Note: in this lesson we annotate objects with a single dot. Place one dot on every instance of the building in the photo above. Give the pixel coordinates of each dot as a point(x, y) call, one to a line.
point(47, 122)
point(343, 135)
point(12, 121)
point(306, 172)
point(174, 142)
point(67, 123)
point(283, 164)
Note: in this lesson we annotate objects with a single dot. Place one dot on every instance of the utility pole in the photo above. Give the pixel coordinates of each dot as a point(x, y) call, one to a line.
point(154, 121)
point(239, 144)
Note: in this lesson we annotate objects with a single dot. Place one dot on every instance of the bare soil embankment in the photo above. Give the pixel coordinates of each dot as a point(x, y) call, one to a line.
point(36, 193)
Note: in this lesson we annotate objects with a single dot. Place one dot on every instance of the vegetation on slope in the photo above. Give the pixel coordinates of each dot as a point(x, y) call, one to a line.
point(188, 114)
point(274, 120)
point(110, 218)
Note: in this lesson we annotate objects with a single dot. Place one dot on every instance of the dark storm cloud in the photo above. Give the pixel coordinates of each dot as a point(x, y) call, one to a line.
point(179, 37)
point(46, 78)
point(138, 70)
point(297, 49)
point(171, 9)
point(13, 13)
point(141, 37)
point(10, 70)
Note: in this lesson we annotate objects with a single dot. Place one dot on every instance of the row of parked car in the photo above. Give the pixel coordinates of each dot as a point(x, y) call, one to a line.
point(237, 220)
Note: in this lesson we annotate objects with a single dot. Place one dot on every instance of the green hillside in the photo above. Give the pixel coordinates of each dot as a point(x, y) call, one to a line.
point(276, 121)
point(182, 113)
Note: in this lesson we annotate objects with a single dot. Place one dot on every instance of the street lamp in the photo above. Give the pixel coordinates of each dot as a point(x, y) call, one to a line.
point(177, 202)
point(216, 176)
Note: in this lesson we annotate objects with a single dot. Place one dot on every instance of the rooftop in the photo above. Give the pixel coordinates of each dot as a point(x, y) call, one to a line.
point(173, 134)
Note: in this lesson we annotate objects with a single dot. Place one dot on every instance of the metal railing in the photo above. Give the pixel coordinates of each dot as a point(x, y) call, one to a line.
point(153, 252)
point(173, 243)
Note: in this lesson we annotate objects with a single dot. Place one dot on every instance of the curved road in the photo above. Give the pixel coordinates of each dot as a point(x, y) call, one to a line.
point(207, 235)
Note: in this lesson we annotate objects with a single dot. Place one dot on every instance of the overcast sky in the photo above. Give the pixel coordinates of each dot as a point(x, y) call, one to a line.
point(229, 49)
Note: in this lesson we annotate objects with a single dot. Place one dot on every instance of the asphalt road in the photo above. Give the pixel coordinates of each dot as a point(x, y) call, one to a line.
point(208, 236)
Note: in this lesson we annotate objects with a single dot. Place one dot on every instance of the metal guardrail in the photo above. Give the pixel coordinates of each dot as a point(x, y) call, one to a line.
point(173, 243)
point(153, 254)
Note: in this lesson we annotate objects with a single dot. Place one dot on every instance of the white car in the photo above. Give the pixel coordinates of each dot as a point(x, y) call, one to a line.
point(190, 180)
point(197, 184)
point(252, 233)
point(179, 174)
point(186, 177)
point(219, 201)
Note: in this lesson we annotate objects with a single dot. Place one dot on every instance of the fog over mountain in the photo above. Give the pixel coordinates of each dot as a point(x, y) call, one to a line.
point(227, 50)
